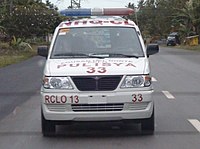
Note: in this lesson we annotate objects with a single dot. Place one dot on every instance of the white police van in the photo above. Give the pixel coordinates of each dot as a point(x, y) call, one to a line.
point(97, 69)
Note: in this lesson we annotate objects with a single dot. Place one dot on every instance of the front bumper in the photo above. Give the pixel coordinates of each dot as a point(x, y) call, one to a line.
point(97, 106)
point(171, 42)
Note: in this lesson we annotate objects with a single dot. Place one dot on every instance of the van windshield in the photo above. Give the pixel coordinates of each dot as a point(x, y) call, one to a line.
point(101, 41)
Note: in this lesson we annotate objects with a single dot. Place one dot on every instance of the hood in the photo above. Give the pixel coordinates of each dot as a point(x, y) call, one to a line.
point(93, 66)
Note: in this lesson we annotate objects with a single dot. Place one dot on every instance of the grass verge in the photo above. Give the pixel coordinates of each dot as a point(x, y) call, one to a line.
point(187, 47)
point(10, 57)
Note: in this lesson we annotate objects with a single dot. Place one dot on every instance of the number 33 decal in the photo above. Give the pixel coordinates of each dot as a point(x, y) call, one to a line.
point(137, 97)
point(93, 70)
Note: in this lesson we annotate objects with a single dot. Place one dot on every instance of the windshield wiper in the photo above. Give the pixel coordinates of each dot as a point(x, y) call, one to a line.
point(122, 55)
point(105, 55)
point(98, 55)
point(94, 55)
point(91, 55)
point(70, 54)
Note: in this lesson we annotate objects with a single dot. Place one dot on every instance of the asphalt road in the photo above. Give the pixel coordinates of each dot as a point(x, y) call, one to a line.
point(177, 105)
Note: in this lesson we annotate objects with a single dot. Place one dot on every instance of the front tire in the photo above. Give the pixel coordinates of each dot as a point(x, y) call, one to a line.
point(147, 125)
point(48, 127)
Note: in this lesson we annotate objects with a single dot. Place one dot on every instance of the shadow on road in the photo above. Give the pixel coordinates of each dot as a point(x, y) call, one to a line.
point(98, 129)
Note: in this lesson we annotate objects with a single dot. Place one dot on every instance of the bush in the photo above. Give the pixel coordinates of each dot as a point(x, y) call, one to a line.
point(18, 44)
point(4, 45)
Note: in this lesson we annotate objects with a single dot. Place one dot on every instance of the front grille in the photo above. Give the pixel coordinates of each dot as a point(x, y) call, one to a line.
point(56, 107)
point(97, 107)
point(136, 106)
point(96, 83)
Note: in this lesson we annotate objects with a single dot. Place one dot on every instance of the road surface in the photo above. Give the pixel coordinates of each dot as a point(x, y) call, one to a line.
point(176, 78)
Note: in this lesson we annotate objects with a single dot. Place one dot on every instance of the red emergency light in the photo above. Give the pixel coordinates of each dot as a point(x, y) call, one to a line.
point(118, 11)
point(97, 12)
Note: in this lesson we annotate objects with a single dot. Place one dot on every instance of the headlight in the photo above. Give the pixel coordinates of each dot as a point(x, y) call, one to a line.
point(57, 83)
point(136, 81)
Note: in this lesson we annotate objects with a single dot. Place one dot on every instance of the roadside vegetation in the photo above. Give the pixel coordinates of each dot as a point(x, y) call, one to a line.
point(10, 54)
point(187, 47)
point(12, 58)
point(24, 24)
point(158, 18)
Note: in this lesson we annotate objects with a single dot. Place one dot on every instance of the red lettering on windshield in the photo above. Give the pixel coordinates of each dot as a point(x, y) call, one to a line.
point(96, 22)
point(66, 23)
point(69, 23)
point(115, 22)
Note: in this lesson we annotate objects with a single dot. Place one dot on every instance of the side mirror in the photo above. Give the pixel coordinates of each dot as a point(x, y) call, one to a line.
point(152, 49)
point(43, 51)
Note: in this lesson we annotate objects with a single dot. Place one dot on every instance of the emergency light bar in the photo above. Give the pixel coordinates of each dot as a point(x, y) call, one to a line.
point(97, 12)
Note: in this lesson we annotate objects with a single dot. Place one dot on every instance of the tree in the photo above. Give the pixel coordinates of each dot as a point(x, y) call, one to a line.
point(188, 18)
point(50, 5)
point(2, 12)
point(160, 17)
point(147, 17)
point(132, 17)
point(31, 18)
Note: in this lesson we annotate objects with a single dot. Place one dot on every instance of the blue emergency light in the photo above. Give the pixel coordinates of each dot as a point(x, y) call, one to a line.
point(97, 12)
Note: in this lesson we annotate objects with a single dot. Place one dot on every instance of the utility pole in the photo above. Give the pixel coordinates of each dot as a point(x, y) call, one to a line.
point(11, 6)
point(136, 16)
point(75, 3)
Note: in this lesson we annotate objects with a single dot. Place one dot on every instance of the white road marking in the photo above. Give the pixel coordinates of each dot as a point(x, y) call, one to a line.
point(15, 110)
point(195, 123)
point(168, 94)
point(153, 79)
